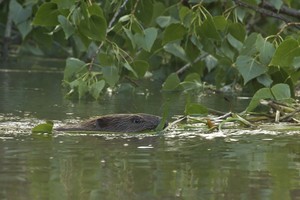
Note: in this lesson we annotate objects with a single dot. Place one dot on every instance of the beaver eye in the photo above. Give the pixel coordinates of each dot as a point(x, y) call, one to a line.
point(136, 120)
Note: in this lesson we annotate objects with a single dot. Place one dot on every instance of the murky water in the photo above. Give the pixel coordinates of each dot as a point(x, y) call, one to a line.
point(176, 164)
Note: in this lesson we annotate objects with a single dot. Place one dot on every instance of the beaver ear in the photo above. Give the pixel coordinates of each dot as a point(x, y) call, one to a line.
point(101, 122)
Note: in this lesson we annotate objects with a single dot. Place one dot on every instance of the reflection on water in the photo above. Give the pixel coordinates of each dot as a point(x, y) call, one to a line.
point(39, 95)
point(177, 164)
point(91, 167)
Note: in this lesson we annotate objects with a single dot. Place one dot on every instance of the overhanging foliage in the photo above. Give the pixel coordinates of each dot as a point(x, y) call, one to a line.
point(249, 43)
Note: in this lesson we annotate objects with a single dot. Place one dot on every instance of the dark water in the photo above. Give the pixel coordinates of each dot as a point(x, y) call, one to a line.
point(177, 164)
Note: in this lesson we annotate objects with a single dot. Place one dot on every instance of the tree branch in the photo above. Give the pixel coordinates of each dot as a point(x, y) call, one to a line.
point(186, 66)
point(116, 15)
point(263, 11)
point(284, 9)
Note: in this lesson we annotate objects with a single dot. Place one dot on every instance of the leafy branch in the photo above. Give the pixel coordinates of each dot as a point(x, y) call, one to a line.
point(107, 31)
point(182, 44)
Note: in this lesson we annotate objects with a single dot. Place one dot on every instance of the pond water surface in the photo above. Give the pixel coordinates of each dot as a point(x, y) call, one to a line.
point(175, 164)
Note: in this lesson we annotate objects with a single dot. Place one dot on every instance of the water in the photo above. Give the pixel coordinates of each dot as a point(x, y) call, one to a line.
point(176, 164)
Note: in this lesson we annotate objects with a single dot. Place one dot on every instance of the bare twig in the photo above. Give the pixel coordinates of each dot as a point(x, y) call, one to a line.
point(135, 6)
point(182, 69)
point(284, 9)
point(176, 122)
point(289, 115)
point(287, 25)
point(116, 15)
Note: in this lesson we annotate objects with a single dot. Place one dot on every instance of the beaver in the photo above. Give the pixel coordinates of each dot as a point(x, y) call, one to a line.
point(126, 123)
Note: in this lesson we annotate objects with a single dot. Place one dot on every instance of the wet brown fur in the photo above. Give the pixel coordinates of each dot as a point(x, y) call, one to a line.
point(117, 123)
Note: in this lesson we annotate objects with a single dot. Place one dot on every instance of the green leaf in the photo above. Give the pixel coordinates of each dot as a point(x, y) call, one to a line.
point(144, 12)
point(240, 13)
point(94, 27)
point(111, 75)
point(46, 15)
point(285, 53)
point(95, 9)
point(158, 8)
point(82, 88)
point(265, 48)
point(296, 63)
point(186, 16)
point(210, 62)
point(20, 17)
point(127, 66)
point(76, 17)
point(209, 30)
point(73, 66)
point(164, 21)
point(192, 77)
point(227, 50)
point(265, 79)
point(191, 82)
point(66, 26)
point(191, 50)
point(281, 75)
point(234, 42)
point(220, 22)
point(193, 108)
point(172, 83)
point(24, 28)
point(263, 93)
point(176, 50)
point(147, 39)
point(281, 91)
point(136, 26)
point(105, 59)
point(249, 47)
point(74, 84)
point(140, 67)
point(125, 18)
point(34, 50)
point(64, 4)
point(150, 37)
point(81, 43)
point(130, 36)
point(249, 68)
point(96, 88)
point(83, 11)
point(173, 32)
point(238, 31)
point(43, 128)
point(277, 3)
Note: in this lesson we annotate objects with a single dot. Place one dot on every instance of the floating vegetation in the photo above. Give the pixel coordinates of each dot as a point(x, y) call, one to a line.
point(276, 116)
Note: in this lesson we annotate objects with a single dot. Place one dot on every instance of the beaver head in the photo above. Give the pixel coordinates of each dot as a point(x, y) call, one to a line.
point(118, 123)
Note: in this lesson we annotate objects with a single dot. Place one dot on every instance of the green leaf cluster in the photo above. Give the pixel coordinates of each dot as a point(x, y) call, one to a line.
point(81, 81)
point(108, 42)
point(278, 92)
